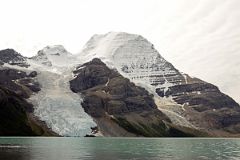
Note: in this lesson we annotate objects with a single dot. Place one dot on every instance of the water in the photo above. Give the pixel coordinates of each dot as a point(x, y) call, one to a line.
point(118, 149)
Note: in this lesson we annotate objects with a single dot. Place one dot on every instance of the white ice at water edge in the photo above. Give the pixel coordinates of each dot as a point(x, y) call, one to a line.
point(59, 107)
point(56, 104)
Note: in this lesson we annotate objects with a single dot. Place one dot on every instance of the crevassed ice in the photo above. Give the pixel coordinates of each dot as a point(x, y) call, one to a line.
point(59, 107)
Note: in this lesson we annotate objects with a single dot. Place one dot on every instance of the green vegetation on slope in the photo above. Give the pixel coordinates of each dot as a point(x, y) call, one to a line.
point(162, 129)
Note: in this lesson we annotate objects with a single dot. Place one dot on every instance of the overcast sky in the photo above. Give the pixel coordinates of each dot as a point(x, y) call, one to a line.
point(200, 37)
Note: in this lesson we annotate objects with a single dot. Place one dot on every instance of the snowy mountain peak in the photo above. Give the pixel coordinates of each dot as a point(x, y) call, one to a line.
point(133, 56)
point(54, 56)
point(54, 50)
point(105, 45)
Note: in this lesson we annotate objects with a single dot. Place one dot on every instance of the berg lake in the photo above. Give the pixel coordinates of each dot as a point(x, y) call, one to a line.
point(16, 148)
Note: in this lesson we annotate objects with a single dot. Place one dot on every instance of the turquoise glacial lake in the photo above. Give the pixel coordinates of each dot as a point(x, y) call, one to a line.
point(118, 149)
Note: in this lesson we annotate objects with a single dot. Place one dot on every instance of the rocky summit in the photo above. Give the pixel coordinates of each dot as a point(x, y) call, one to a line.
point(118, 85)
point(10, 56)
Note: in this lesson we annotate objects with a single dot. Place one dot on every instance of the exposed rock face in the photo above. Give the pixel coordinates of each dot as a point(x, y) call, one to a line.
point(120, 94)
point(33, 74)
point(204, 94)
point(205, 106)
point(96, 74)
point(19, 82)
point(15, 116)
point(109, 95)
point(12, 57)
point(16, 85)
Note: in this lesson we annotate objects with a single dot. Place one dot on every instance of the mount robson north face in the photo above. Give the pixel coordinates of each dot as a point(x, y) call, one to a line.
point(118, 85)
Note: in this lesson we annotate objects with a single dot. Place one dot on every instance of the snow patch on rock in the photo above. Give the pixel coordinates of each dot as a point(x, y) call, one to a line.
point(55, 56)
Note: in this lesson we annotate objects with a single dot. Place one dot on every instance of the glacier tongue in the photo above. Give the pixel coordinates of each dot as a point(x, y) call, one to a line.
point(59, 107)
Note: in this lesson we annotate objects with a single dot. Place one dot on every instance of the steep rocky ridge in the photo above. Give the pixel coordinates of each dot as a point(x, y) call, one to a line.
point(12, 57)
point(19, 81)
point(111, 98)
point(205, 106)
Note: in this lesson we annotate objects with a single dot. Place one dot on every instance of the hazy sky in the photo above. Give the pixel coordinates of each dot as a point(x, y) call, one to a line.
point(200, 37)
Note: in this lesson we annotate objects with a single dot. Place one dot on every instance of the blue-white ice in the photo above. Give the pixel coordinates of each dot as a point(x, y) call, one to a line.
point(59, 107)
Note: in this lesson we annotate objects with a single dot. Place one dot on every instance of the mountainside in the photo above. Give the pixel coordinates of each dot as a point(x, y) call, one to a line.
point(110, 98)
point(118, 85)
point(176, 94)
point(16, 114)
point(17, 119)
point(46, 87)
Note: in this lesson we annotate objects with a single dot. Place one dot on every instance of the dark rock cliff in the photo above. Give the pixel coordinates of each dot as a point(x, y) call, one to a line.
point(16, 116)
point(110, 96)
point(206, 106)
point(19, 81)
point(12, 57)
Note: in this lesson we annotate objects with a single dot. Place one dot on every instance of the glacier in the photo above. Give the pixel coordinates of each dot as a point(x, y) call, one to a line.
point(56, 104)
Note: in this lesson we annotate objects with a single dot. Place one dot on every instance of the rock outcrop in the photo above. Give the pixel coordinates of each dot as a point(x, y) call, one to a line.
point(205, 106)
point(16, 117)
point(12, 57)
point(16, 85)
point(110, 97)
point(19, 81)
